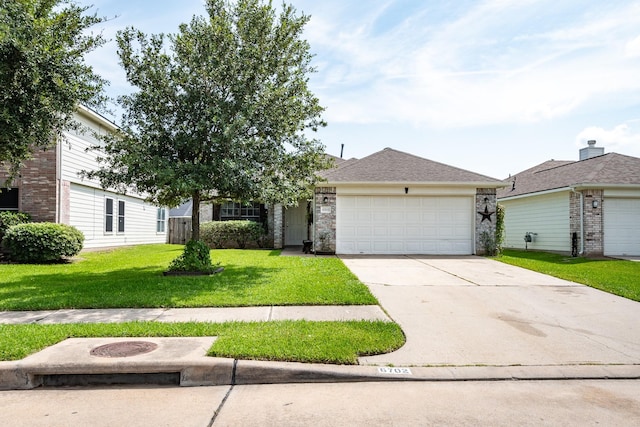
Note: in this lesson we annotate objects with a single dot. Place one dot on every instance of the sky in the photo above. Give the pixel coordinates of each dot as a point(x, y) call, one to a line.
point(491, 86)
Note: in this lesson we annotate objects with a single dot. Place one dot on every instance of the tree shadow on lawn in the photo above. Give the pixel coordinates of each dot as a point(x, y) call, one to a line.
point(131, 288)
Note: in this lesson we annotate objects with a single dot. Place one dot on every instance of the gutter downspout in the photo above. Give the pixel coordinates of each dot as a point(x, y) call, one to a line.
point(573, 190)
point(59, 188)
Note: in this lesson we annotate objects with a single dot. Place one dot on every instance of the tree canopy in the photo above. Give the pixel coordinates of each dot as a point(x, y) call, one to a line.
point(222, 109)
point(43, 76)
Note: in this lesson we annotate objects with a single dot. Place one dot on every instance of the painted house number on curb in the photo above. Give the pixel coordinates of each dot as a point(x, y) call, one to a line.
point(395, 371)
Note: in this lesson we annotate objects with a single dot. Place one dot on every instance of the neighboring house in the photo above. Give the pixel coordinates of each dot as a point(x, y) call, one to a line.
point(51, 189)
point(396, 203)
point(588, 207)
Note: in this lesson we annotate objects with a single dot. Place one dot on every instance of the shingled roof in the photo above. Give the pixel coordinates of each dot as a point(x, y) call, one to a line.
point(390, 165)
point(610, 169)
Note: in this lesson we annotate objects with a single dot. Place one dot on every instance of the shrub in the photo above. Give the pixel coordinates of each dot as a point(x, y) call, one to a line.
point(221, 234)
point(9, 219)
point(42, 242)
point(196, 257)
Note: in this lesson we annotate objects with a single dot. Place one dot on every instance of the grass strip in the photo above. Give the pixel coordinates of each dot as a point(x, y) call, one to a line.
point(295, 341)
point(619, 277)
point(132, 278)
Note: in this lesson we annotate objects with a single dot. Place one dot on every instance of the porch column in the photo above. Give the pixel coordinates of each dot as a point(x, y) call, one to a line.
point(278, 226)
point(486, 207)
point(324, 221)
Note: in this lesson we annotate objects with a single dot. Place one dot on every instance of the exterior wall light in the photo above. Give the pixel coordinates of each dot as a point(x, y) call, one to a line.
point(594, 204)
point(325, 199)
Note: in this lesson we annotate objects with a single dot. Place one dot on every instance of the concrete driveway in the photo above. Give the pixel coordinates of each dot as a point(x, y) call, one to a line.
point(473, 311)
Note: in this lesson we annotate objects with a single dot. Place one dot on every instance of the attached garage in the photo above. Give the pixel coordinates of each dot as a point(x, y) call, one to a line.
point(396, 203)
point(621, 226)
point(433, 225)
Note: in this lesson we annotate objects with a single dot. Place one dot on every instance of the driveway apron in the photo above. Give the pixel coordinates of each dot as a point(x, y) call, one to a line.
point(473, 311)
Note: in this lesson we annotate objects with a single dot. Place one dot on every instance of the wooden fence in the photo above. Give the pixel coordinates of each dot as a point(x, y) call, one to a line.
point(179, 230)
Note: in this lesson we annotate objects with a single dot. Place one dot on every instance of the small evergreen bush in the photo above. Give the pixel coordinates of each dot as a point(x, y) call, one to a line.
point(223, 234)
point(9, 219)
point(196, 257)
point(42, 242)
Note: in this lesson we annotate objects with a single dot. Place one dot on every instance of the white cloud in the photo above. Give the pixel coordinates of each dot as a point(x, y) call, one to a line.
point(632, 48)
point(494, 62)
point(623, 138)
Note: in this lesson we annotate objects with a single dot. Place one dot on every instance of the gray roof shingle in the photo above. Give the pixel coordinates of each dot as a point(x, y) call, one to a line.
point(390, 165)
point(608, 169)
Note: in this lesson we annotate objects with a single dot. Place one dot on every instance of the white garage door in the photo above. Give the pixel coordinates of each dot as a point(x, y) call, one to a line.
point(404, 225)
point(621, 226)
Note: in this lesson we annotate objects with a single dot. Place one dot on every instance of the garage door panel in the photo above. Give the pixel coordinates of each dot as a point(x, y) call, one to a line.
point(380, 216)
point(414, 217)
point(405, 225)
point(621, 229)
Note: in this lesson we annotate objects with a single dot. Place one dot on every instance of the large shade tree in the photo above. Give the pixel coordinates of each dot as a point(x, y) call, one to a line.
point(43, 76)
point(223, 108)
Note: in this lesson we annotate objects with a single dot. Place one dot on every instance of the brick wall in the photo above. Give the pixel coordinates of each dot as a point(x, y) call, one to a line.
point(593, 226)
point(278, 226)
point(37, 186)
point(324, 220)
point(486, 203)
point(592, 221)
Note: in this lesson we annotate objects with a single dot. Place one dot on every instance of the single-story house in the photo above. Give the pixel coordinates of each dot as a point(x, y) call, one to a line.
point(50, 189)
point(393, 202)
point(390, 202)
point(589, 207)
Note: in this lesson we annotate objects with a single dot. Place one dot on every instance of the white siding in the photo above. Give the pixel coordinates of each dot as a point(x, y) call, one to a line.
point(547, 215)
point(75, 158)
point(87, 198)
point(87, 214)
point(404, 225)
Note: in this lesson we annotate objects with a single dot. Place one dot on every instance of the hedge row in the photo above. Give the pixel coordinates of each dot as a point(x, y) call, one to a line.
point(227, 234)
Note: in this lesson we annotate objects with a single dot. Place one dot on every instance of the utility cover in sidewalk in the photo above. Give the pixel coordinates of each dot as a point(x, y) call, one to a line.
point(124, 349)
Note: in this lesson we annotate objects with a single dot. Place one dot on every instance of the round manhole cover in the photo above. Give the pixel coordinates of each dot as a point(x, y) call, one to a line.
point(124, 349)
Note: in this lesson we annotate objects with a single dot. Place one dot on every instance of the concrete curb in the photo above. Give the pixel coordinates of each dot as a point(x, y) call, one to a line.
point(210, 371)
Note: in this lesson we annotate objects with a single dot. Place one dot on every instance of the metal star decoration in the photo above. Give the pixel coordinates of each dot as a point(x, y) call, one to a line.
point(486, 214)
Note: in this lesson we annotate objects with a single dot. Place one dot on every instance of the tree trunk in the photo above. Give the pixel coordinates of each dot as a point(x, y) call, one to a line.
point(195, 216)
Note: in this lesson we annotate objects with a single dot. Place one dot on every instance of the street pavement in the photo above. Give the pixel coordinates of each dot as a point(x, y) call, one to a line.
point(472, 326)
point(457, 403)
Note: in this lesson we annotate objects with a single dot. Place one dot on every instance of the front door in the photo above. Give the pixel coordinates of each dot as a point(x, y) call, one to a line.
point(295, 221)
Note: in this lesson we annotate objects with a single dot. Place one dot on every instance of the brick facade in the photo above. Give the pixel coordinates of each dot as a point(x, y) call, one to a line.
point(325, 220)
point(592, 221)
point(278, 225)
point(486, 207)
point(38, 187)
point(593, 225)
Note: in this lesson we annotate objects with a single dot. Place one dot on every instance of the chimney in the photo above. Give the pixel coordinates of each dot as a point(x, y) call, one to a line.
point(591, 150)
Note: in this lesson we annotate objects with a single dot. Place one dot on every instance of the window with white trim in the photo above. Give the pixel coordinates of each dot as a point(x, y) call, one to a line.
point(161, 220)
point(108, 215)
point(120, 216)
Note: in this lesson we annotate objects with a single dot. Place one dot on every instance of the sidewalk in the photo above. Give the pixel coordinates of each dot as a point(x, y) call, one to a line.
point(209, 314)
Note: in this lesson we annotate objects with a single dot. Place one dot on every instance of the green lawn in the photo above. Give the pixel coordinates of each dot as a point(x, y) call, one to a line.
point(618, 277)
point(301, 341)
point(132, 277)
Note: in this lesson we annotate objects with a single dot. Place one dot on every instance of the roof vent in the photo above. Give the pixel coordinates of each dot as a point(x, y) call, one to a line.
point(591, 150)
